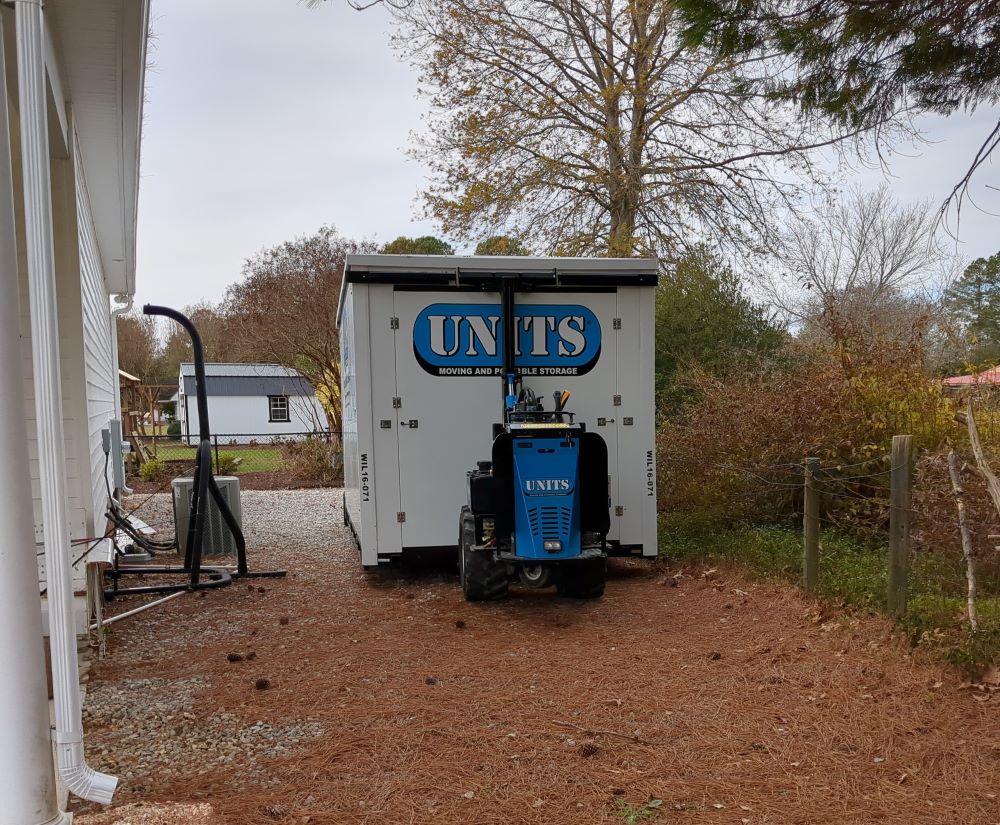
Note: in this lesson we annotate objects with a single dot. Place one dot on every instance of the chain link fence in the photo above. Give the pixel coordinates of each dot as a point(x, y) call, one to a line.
point(262, 461)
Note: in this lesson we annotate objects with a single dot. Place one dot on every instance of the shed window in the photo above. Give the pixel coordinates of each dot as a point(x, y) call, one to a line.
point(278, 408)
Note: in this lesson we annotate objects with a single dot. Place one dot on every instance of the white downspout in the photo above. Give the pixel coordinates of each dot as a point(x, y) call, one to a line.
point(126, 305)
point(76, 775)
point(27, 781)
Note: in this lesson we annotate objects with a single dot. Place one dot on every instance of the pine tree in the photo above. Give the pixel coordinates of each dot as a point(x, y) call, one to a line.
point(863, 63)
point(974, 303)
point(705, 321)
point(424, 245)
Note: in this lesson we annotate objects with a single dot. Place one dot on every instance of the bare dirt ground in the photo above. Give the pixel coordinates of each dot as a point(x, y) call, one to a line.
point(677, 698)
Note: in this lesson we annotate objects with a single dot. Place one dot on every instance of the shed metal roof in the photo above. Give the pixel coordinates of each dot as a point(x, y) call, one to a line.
point(247, 379)
point(233, 370)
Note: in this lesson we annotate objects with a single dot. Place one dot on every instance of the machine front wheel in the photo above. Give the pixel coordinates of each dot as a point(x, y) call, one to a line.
point(583, 579)
point(483, 579)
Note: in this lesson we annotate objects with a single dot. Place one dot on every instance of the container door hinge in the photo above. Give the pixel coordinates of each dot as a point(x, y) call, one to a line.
point(616, 400)
point(400, 517)
point(616, 323)
point(619, 510)
point(394, 323)
point(397, 402)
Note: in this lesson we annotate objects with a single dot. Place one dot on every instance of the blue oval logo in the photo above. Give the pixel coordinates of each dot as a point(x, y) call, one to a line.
point(466, 339)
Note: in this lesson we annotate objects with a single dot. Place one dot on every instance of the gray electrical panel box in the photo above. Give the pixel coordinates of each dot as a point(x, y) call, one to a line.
point(117, 447)
point(219, 540)
point(421, 386)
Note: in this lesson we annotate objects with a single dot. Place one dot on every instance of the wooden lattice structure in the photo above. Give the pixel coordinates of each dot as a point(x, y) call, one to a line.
point(142, 415)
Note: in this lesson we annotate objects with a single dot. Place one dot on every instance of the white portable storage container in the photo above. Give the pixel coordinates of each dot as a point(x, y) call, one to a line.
point(421, 387)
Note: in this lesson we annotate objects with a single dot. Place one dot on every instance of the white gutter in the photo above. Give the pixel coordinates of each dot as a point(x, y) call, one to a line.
point(76, 775)
point(27, 780)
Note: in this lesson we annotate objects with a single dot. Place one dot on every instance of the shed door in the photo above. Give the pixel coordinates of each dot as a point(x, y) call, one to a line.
point(450, 398)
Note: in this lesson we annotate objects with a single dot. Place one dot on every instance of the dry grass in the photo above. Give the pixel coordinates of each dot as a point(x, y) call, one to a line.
point(728, 701)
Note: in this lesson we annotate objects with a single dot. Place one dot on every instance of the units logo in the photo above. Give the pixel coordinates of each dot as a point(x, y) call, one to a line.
point(466, 339)
point(547, 485)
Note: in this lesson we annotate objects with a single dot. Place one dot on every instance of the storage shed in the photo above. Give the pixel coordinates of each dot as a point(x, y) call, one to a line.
point(250, 399)
point(421, 385)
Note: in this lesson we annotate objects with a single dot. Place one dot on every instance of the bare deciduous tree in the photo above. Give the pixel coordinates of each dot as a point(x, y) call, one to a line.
point(863, 270)
point(284, 310)
point(138, 345)
point(864, 243)
point(586, 126)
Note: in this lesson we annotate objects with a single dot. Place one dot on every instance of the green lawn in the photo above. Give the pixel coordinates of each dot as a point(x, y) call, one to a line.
point(149, 429)
point(252, 459)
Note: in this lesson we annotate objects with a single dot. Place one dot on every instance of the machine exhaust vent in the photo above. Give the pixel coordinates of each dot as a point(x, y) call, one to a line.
point(219, 540)
point(550, 523)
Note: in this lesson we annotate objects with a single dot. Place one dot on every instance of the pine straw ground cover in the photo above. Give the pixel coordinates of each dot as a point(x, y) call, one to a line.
point(677, 698)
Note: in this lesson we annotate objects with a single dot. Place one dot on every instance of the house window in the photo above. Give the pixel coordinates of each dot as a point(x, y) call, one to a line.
point(278, 408)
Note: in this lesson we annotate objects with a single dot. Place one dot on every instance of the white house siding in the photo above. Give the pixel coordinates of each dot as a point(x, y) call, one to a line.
point(248, 414)
point(70, 337)
point(101, 383)
point(84, 358)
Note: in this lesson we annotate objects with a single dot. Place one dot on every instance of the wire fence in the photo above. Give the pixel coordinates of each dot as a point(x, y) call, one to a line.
point(261, 460)
point(888, 537)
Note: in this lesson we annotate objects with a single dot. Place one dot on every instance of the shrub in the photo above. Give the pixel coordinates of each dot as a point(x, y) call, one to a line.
point(732, 456)
point(153, 470)
point(174, 429)
point(314, 460)
point(226, 464)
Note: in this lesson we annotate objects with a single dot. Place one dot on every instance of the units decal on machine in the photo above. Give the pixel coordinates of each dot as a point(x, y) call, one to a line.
point(547, 485)
point(466, 339)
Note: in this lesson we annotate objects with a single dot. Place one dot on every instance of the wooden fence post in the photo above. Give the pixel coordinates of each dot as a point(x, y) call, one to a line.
point(810, 528)
point(967, 551)
point(900, 501)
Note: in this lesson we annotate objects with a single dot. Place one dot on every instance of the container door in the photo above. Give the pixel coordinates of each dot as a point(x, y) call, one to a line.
point(383, 465)
point(635, 422)
point(581, 348)
point(448, 403)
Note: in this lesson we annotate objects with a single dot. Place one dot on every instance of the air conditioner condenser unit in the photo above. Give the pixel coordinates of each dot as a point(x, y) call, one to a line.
point(218, 540)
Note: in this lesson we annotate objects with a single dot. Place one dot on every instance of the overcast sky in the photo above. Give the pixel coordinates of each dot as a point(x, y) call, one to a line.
point(266, 119)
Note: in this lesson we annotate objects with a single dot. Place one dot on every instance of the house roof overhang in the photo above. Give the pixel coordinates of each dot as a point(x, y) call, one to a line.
point(98, 63)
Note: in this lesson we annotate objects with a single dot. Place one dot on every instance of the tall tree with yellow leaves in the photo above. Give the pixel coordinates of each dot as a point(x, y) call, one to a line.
point(588, 127)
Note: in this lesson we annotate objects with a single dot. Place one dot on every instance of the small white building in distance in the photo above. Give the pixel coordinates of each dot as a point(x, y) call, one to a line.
point(257, 400)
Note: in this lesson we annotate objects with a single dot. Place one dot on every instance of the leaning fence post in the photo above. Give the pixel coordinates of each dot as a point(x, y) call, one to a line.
point(967, 552)
point(810, 528)
point(900, 501)
point(215, 439)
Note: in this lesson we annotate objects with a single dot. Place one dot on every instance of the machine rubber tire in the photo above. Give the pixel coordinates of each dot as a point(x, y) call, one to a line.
point(483, 579)
point(584, 579)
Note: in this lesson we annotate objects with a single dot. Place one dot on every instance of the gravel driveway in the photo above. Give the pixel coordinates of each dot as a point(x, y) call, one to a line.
point(682, 696)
